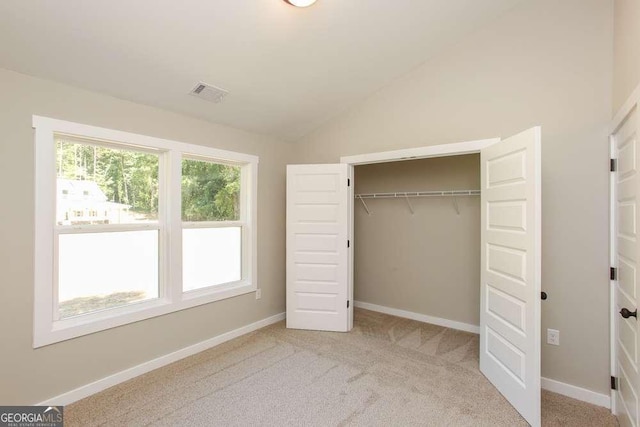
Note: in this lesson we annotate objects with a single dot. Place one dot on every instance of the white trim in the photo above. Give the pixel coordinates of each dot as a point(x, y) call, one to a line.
point(107, 319)
point(564, 389)
point(173, 230)
point(454, 149)
point(576, 392)
point(350, 232)
point(119, 137)
point(475, 329)
point(47, 328)
point(43, 233)
point(612, 283)
point(212, 224)
point(617, 121)
point(106, 228)
point(122, 376)
point(626, 108)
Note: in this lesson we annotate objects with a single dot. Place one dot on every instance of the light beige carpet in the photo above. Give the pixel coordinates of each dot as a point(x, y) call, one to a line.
point(387, 372)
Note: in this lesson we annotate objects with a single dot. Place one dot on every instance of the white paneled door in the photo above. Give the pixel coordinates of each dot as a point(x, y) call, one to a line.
point(319, 263)
point(318, 247)
point(626, 248)
point(510, 270)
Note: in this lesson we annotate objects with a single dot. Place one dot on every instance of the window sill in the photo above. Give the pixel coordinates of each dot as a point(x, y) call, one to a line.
point(74, 327)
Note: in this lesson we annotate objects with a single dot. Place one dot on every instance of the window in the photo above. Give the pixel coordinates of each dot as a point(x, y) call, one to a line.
point(130, 227)
point(211, 223)
point(101, 265)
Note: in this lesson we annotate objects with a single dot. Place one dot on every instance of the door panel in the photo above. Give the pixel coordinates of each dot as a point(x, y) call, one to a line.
point(317, 252)
point(510, 260)
point(627, 193)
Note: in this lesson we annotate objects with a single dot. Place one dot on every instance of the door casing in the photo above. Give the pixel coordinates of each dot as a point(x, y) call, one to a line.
point(443, 150)
point(632, 102)
point(469, 147)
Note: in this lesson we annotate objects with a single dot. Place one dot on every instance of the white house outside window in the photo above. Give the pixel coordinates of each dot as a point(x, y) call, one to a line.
point(130, 227)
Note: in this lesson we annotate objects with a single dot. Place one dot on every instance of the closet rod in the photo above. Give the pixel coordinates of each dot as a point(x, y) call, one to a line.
point(406, 194)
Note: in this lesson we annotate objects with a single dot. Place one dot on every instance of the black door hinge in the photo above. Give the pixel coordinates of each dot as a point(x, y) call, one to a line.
point(614, 165)
point(613, 273)
point(348, 182)
point(348, 243)
point(614, 383)
point(347, 303)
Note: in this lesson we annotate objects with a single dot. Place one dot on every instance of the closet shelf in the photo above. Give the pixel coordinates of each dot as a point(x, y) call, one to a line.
point(404, 194)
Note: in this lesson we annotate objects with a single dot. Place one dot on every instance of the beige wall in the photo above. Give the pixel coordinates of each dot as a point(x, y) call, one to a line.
point(543, 63)
point(397, 260)
point(626, 50)
point(28, 376)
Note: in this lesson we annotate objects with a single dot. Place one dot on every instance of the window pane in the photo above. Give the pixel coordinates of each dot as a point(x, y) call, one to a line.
point(100, 185)
point(97, 271)
point(210, 191)
point(210, 256)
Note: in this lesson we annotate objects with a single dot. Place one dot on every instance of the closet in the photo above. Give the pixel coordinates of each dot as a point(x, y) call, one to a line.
point(418, 247)
point(417, 238)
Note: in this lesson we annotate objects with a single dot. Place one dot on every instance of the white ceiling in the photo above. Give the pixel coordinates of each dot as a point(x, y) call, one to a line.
point(288, 70)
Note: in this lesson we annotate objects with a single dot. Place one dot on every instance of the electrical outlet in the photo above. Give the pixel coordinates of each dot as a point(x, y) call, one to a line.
point(258, 293)
point(553, 336)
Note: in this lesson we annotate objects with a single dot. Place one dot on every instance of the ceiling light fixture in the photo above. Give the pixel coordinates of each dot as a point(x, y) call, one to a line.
point(300, 3)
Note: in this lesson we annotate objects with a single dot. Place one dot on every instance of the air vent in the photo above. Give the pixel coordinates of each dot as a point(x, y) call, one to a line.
point(208, 92)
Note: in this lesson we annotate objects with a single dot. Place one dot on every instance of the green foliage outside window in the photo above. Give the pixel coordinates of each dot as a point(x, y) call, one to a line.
point(124, 176)
point(210, 191)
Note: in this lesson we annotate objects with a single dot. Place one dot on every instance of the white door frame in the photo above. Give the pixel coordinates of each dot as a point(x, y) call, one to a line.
point(617, 121)
point(612, 285)
point(443, 150)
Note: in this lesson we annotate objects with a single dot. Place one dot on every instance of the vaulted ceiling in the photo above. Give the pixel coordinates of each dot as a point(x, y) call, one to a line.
point(288, 70)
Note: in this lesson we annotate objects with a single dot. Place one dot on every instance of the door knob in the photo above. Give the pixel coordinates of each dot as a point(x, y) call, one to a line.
point(626, 313)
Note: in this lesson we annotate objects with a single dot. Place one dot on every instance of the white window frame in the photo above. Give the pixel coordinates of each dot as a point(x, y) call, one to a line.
point(241, 222)
point(47, 328)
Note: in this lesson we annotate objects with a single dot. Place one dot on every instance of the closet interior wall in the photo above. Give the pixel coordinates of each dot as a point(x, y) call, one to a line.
point(427, 262)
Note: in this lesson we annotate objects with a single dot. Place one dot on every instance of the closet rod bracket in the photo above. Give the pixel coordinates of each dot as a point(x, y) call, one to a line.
point(455, 205)
point(406, 197)
point(366, 208)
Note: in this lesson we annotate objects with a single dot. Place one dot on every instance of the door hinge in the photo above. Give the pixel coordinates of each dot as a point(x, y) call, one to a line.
point(614, 165)
point(614, 383)
point(347, 303)
point(348, 182)
point(613, 273)
point(348, 243)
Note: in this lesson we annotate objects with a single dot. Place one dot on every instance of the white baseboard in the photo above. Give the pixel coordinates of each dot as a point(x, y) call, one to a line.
point(576, 392)
point(419, 317)
point(122, 376)
point(546, 383)
point(119, 377)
